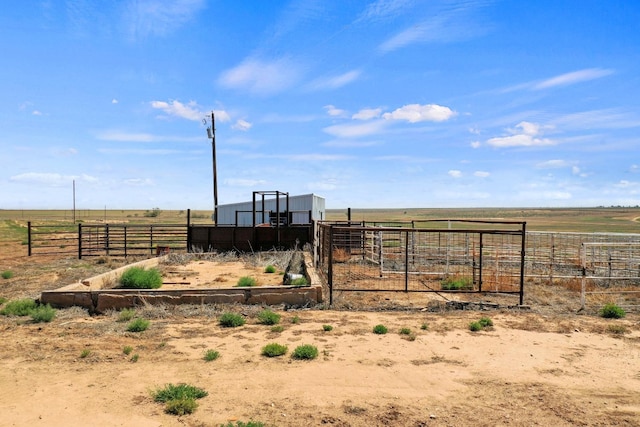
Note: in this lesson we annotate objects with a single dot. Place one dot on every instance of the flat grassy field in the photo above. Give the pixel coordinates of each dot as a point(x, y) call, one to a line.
point(582, 220)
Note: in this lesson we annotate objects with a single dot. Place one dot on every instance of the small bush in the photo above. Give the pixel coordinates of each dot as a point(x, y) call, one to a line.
point(179, 391)
point(274, 350)
point(231, 320)
point(305, 352)
point(2, 300)
point(126, 315)
point(300, 281)
point(135, 358)
point(138, 325)
point(475, 326)
point(268, 317)
point(380, 329)
point(424, 327)
point(277, 328)
point(612, 311)
point(616, 329)
point(295, 320)
point(327, 328)
point(20, 307)
point(269, 269)
point(485, 322)
point(211, 355)
point(405, 331)
point(85, 353)
point(43, 314)
point(246, 282)
point(139, 278)
point(7, 274)
point(181, 407)
point(456, 283)
point(127, 349)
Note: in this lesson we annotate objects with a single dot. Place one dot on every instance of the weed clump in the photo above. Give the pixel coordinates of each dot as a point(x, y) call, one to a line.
point(456, 283)
point(126, 315)
point(43, 314)
point(268, 317)
point(243, 424)
point(327, 328)
point(6, 274)
point(179, 399)
point(277, 328)
point(305, 352)
point(475, 326)
point(231, 320)
point(127, 349)
point(300, 281)
point(274, 350)
point(138, 325)
point(246, 282)
point(612, 311)
point(211, 355)
point(270, 269)
point(380, 329)
point(20, 307)
point(139, 278)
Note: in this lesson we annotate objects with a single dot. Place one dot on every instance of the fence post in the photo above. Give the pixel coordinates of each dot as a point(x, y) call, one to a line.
point(188, 230)
point(151, 239)
point(330, 269)
point(583, 281)
point(125, 241)
point(406, 261)
point(522, 261)
point(480, 265)
point(29, 237)
point(106, 238)
point(79, 240)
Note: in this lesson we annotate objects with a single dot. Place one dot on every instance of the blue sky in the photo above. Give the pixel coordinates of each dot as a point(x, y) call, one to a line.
point(385, 103)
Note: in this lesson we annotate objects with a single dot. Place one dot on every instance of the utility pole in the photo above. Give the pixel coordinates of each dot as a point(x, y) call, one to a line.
point(211, 133)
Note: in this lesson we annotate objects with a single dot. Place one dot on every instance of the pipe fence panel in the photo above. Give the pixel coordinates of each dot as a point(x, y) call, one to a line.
point(130, 240)
point(52, 239)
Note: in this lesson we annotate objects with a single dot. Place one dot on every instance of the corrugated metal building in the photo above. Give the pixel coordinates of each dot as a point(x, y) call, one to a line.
point(299, 207)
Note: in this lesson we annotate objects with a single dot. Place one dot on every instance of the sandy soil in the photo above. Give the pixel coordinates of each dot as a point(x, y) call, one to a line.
point(531, 368)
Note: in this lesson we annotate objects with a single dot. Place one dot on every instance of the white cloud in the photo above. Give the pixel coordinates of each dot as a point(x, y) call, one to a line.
point(367, 114)
point(573, 78)
point(481, 174)
point(455, 173)
point(333, 111)
point(553, 164)
point(125, 136)
point(138, 182)
point(634, 168)
point(475, 144)
point(114, 101)
point(328, 185)
point(414, 113)
point(261, 77)
point(339, 143)
point(242, 125)
point(189, 111)
point(524, 136)
point(336, 82)
point(383, 9)
point(36, 113)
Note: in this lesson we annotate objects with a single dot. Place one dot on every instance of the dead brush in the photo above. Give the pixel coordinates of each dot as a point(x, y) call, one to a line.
point(341, 255)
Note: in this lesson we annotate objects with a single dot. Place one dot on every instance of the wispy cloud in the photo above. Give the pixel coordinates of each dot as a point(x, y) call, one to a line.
point(481, 174)
point(189, 111)
point(333, 111)
point(242, 125)
point(243, 182)
point(138, 182)
point(335, 82)
point(262, 77)
point(455, 173)
point(50, 179)
point(384, 9)
point(367, 114)
point(159, 17)
point(573, 78)
point(553, 164)
point(121, 136)
point(525, 134)
point(349, 130)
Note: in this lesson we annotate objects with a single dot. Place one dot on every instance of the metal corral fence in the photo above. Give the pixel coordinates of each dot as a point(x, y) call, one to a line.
point(52, 239)
point(472, 257)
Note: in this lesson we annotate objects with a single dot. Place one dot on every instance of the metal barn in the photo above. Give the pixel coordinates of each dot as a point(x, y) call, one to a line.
point(302, 209)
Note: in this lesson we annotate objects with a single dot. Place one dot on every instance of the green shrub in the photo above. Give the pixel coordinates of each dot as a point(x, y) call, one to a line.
point(327, 328)
point(277, 328)
point(181, 407)
point(126, 315)
point(139, 278)
point(612, 311)
point(269, 269)
point(246, 282)
point(43, 314)
point(617, 329)
point(179, 391)
point(268, 317)
point(2, 300)
point(424, 327)
point(380, 329)
point(85, 353)
point(300, 281)
point(20, 307)
point(127, 349)
point(405, 331)
point(456, 283)
point(231, 320)
point(295, 320)
point(138, 325)
point(274, 350)
point(305, 352)
point(210, 355)
point(475, 326)
point(7, 274)
point(135, 358)
point(485, 322)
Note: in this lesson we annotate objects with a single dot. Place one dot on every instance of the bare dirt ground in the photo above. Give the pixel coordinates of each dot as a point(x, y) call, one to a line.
point(547, 366)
